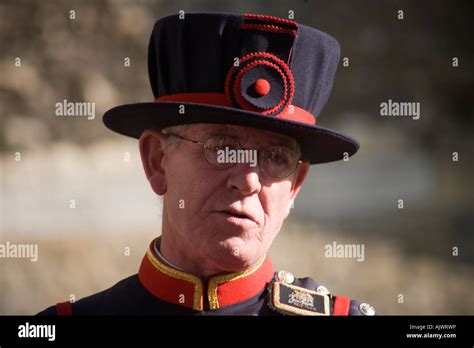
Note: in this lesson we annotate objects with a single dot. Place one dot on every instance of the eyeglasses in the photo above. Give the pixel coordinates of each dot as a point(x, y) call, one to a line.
point(274, 161)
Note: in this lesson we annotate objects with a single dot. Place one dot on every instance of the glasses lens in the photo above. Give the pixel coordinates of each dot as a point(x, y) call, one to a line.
point(215, 149)
point(278, 161)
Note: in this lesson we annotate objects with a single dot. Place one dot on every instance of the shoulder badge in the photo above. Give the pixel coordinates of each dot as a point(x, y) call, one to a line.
point(294, 300)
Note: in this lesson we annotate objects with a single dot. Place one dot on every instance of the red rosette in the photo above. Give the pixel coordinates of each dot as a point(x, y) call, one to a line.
point(240, 84)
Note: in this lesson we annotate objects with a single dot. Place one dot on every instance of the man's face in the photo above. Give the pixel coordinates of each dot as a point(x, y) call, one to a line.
point(223, 219)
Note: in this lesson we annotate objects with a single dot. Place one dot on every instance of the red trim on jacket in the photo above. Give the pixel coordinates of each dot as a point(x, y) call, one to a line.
point(64, 308)
point(341, 305)
point(188, 290)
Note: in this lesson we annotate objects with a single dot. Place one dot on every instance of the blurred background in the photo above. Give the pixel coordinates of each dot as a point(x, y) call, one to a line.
point(46, 161)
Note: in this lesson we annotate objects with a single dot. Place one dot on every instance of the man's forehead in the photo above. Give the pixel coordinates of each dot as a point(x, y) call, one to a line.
point(243, 133)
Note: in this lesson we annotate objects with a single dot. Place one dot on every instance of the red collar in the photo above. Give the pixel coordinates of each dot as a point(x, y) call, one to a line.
point(188, 290)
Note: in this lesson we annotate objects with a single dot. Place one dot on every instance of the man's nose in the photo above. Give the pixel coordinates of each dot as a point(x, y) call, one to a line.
point(245, 179)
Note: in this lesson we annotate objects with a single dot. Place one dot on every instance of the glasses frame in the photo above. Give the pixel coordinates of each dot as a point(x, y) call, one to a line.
point(202, 143)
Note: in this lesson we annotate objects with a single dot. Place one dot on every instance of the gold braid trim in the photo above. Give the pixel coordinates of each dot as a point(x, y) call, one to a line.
point(216, 280)
point(197, 299)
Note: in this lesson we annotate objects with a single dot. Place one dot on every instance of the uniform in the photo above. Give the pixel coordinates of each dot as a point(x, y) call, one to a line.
point(159, 289)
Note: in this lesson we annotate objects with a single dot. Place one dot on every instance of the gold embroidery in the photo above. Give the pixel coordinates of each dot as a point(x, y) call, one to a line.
point(197, 299)
point(216, 280)
point(300, 297)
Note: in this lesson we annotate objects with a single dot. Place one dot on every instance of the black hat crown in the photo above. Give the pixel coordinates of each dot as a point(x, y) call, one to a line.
point(260, 63)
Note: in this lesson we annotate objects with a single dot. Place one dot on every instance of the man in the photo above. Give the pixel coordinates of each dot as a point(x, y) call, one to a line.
point(228, 143)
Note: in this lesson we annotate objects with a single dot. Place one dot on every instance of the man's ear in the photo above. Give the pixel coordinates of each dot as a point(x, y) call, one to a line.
point(152, 151)
point(298, 179)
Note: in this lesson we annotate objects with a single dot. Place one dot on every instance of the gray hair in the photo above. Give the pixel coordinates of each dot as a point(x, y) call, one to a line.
point(173, 142)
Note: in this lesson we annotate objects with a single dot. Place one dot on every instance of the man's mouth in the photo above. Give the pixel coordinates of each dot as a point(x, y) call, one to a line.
point(237, 214)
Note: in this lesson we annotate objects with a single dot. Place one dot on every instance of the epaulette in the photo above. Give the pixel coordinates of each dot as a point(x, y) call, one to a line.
point(302, 296)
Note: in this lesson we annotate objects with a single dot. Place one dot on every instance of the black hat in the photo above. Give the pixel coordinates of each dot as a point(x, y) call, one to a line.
point(248, 70)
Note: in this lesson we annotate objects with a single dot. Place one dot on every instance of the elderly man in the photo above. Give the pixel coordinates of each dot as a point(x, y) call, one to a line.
point(228, 143)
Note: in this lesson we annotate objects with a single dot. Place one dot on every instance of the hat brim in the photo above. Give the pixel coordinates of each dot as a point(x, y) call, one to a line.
point(318, 144)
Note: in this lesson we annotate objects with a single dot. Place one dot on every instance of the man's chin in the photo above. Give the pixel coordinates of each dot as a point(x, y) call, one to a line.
point(236, 255)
